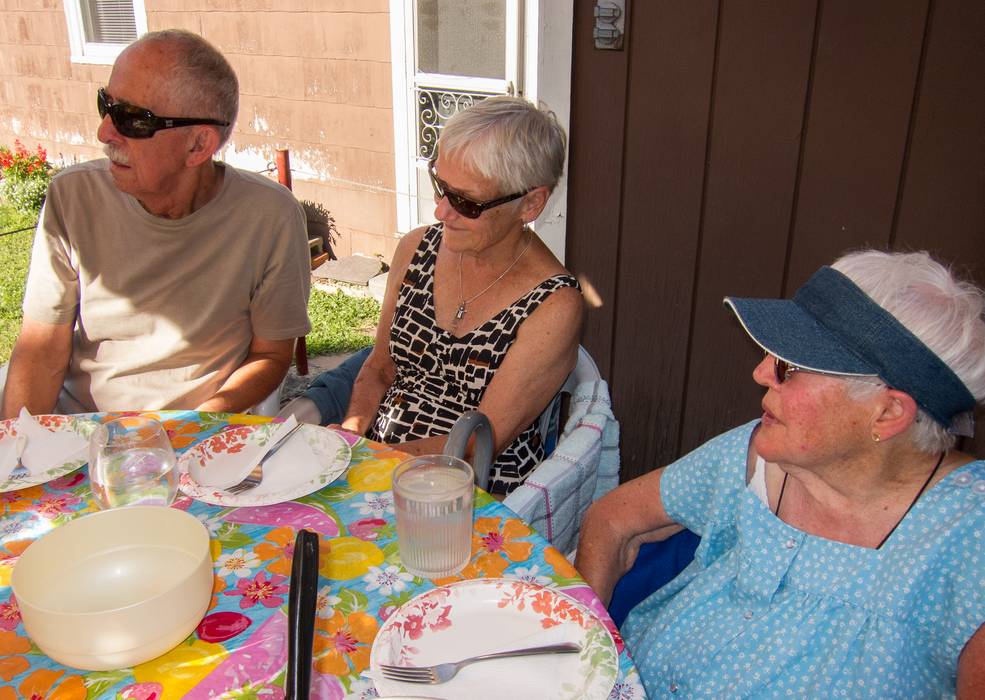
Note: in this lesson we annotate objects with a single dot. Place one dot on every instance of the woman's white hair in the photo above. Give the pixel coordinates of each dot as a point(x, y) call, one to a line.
point(202, 79)
point(946, 314)
point(509, 141)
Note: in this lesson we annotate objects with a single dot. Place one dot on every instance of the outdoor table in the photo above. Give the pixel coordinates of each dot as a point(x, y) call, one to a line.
point(240, 648)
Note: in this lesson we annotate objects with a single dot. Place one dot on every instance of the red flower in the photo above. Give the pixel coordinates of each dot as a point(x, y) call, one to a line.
point(260, 589)
point(10, 614)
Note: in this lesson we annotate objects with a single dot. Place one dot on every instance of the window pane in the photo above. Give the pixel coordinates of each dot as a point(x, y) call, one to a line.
point(462, 37)
point(109, 21)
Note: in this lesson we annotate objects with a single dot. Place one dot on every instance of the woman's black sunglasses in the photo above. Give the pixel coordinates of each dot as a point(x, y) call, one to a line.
point(469, 208)
point(139, 123)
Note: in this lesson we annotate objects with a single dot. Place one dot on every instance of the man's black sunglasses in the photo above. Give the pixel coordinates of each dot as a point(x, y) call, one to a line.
point(138, 123)
point(469, 208)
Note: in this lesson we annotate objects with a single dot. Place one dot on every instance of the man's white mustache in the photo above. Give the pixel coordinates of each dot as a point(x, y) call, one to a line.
point(116, 154)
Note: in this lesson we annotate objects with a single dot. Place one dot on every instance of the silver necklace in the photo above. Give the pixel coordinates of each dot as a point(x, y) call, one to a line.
point(460, 313)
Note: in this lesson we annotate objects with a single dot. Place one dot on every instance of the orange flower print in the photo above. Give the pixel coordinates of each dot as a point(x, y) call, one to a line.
point(20, 500)
point(555, 609)
point(40, 685)
point(218, 586)
point(280, 548)
point(562, 567)
point(494, 543)
point(342, 643)
point(181, 433)
point(12, 644)
point(12, 550)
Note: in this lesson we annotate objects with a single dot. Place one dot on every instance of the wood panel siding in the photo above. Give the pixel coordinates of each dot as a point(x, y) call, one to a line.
point(732, 148)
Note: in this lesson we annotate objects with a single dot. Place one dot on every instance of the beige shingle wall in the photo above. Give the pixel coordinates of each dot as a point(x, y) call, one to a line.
point(314, 78)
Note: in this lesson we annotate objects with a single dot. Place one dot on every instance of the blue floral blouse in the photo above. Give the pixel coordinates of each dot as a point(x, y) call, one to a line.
point(767, 611)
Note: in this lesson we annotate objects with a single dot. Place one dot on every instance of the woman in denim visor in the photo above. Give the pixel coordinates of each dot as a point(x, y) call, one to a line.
point(841, 533)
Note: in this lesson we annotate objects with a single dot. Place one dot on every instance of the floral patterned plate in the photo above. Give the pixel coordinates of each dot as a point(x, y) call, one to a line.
point(295, 471)
point(483, 615)
point(81, 425)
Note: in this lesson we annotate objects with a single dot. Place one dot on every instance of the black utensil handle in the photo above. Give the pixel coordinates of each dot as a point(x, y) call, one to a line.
point(301, 612)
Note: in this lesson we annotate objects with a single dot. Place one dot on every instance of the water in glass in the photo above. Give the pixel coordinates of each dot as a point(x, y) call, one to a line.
point(433, 501)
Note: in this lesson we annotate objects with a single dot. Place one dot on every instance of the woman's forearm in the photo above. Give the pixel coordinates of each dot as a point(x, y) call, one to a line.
point(367, 392)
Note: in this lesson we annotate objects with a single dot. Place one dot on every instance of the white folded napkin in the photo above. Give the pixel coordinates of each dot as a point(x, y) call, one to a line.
point(295, 463)
point(224, 469)
point(45, 449)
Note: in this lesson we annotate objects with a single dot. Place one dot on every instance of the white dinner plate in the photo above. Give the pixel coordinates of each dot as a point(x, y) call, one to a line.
point(81, 426)
point(478, 616)
point(280, 482)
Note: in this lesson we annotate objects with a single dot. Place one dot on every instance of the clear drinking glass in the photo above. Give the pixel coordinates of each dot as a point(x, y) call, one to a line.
point(433, 498)
point(131, 462)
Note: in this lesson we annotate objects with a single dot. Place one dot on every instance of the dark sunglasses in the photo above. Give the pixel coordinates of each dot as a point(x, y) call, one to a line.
point(469, 208)
point(783, 369)
point(139, 123)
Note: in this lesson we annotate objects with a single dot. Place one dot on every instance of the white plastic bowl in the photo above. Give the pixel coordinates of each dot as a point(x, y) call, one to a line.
point(115, 588)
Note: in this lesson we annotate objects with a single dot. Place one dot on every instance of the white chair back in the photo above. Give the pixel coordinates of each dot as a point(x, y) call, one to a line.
point(582, 467)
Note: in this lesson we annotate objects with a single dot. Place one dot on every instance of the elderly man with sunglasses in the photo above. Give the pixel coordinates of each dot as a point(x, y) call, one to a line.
point(161, 278)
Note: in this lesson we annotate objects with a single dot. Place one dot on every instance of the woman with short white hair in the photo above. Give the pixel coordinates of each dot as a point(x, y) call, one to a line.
point(841, 533)
point(478, 313)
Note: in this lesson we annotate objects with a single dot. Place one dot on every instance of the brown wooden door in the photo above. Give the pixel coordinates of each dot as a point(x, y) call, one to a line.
point(733, 147)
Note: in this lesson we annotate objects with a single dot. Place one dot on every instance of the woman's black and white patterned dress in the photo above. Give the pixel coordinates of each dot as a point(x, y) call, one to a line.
point(440, 376)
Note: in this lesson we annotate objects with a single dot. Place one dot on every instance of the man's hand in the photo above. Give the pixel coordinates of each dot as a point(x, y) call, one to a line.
point(259, 374)
point(37, 368)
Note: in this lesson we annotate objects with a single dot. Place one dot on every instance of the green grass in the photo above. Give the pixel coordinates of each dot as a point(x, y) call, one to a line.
point(340, 323)
point(15, 255)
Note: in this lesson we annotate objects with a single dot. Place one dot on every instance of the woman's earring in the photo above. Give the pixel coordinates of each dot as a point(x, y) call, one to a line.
point(875, 437)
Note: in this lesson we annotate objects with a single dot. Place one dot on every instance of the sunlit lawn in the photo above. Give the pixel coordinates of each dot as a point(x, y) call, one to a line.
point(340, 323)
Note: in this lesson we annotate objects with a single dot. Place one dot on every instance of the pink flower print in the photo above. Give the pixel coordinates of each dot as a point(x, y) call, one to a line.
point(432, 617)
point(10, 614)
point(367, 529)
point(260, 589)
point(51, 506)
point(64, 483)
point(142, 691)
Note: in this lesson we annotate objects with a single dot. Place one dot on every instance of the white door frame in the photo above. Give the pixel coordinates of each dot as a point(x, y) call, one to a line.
point(546, 80)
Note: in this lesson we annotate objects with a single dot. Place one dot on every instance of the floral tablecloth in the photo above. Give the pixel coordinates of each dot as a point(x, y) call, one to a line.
point(239, 650)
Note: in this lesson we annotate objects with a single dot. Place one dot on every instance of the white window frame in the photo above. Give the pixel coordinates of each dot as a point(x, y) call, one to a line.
point(544, 75)
point(83, 51)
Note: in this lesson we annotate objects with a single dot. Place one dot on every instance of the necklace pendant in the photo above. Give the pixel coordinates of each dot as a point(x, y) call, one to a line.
point(460, 314)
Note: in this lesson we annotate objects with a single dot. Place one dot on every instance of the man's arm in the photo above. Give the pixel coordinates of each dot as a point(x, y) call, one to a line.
point(614, 528)
point(37, 367)
point(260, 373)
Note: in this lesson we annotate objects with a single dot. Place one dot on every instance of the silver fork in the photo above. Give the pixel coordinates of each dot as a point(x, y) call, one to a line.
point(442, 673)
point(254, 478)
point(19, 447)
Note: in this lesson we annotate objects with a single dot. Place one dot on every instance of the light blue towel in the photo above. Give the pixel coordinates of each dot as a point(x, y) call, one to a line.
point(584, 466)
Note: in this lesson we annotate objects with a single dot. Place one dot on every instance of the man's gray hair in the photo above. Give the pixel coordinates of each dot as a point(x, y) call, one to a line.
point(202, 79)
point(507, 140)
point(946, 314)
